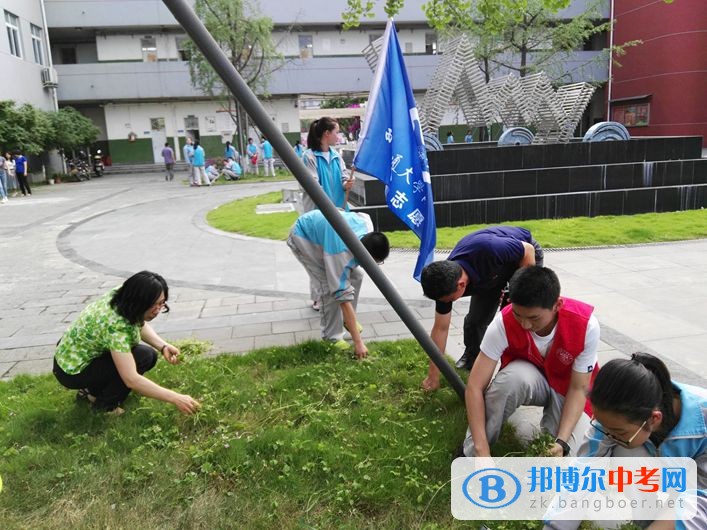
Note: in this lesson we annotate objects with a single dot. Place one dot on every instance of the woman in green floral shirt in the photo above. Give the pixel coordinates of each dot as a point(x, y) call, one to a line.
point(101, 355)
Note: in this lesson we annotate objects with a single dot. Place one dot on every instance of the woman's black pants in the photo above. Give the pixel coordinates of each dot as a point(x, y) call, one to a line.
point(102, 379)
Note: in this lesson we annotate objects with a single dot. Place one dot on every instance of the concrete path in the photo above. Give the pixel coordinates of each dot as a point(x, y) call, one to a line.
point(69, 243)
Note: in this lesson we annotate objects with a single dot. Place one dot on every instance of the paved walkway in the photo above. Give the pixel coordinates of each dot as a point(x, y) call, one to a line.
point(69, 243)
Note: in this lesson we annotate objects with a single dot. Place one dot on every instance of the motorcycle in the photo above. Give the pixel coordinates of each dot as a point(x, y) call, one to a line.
point(98, 167)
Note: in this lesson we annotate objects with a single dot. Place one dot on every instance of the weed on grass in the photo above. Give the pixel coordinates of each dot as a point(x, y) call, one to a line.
point(296, 437)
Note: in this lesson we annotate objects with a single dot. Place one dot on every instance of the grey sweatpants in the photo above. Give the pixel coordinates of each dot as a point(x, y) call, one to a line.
point(331, 317)
point(521, 383)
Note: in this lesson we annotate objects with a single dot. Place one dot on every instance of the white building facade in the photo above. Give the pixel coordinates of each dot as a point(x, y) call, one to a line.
point(121, 64)
point(24, 55)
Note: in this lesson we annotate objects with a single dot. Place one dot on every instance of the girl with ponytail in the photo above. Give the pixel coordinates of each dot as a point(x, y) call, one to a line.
point(328, 169)
point(639, 411)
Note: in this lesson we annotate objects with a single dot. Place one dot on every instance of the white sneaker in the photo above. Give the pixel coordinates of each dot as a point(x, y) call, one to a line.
point(4, 199)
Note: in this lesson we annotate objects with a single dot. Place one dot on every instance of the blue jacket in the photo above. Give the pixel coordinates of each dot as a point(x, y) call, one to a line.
point(331, 175)
point(314, 237)
point(199, 157)
point(687, 439)
point(267, 149)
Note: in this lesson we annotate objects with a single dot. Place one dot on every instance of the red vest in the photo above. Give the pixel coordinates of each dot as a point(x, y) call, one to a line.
point(567, 344)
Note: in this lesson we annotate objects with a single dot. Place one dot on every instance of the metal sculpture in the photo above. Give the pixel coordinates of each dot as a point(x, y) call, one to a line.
point(512, 101)
point(516, 136)
point(606, 130)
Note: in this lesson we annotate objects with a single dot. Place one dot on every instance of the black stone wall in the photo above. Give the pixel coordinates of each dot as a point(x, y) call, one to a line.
point(553, 181)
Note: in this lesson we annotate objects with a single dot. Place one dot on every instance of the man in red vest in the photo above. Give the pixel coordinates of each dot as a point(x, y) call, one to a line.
point(547, 345)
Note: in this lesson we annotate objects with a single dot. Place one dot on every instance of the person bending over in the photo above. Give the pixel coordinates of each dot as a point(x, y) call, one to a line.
point(100, 353)
point(333, 271)
point(479, 266)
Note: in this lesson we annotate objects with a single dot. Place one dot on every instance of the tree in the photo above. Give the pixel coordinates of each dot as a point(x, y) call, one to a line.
point(71, 129)
point(26, 128)
point(523, 37)
point(246, 38)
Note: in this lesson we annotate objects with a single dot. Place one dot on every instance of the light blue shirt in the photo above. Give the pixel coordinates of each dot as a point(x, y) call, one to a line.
point(199, 157)
point(267, 149)
point(188, 151)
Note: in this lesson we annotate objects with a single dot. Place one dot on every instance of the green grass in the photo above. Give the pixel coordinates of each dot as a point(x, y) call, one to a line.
point(239, 216)
point(289, 438)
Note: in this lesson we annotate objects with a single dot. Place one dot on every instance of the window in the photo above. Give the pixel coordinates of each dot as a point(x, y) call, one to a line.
point(632, 115)
point(68, 55)
point(149, 49)
point(306, 48)
point(408, 47)
point(431, 43)
point(13, 33)
point(182, 51)
point(37, 44)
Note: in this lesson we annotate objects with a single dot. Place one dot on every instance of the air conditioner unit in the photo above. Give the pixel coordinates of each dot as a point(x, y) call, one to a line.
point(49, 78)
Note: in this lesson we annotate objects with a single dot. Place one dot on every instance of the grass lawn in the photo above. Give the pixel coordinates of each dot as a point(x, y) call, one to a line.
point(298, 437)
point(239, 216)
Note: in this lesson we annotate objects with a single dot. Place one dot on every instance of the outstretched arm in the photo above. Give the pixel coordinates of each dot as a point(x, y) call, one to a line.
point(351, 325)
point(479, 378)
point(439, 334)
point(573, 408)
point(125, 363)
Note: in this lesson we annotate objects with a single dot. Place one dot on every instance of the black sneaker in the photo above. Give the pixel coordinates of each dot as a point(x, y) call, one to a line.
point(466, 361)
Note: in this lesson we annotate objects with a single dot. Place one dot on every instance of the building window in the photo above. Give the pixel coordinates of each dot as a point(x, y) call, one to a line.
point(632, 115)
point(182, 51)
point(306, 47)
point(13, 33)
point(431, 43)
point(408, 47)
point(149, 49)
point(68, 55)
point(37, 44)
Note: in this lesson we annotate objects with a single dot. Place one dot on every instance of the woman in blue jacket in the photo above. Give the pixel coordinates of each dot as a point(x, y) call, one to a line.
point(326, 167)
point(640, 412)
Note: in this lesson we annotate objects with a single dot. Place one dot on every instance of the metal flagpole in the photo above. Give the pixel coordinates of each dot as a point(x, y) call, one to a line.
point(228, 73)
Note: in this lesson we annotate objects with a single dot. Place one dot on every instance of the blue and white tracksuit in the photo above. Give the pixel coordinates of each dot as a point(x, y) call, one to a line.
point(332, 268)
point(687, 439)
point(330, 172)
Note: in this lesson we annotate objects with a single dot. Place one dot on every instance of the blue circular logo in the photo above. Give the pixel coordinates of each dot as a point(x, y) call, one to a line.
point(491, 488)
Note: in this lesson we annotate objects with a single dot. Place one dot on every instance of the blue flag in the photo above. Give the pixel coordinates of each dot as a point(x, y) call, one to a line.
point(391, 148)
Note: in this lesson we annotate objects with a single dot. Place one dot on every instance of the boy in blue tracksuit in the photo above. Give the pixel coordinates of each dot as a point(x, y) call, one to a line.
point(334, 272)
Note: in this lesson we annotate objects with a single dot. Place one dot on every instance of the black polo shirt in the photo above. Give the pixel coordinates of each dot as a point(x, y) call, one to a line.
point(489, 257)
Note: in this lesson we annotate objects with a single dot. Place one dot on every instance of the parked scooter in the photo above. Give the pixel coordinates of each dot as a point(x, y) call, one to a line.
point(98, 167)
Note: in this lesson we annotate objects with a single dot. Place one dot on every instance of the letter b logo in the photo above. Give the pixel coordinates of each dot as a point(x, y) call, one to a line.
point(491, 488)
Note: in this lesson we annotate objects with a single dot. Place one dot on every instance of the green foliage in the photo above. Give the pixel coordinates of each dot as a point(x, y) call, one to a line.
point(296, 437)
point(71, 129)
point(26, 128)
point(492, 10)
point(192, 348)
point(239, 216)
point(244, 35)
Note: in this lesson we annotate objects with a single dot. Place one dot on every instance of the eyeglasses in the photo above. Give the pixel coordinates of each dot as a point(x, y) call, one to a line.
point(593, 422)
point(163, 307)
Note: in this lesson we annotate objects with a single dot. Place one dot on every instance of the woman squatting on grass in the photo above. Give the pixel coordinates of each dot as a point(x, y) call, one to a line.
point(639, 411)
point(101, 355)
